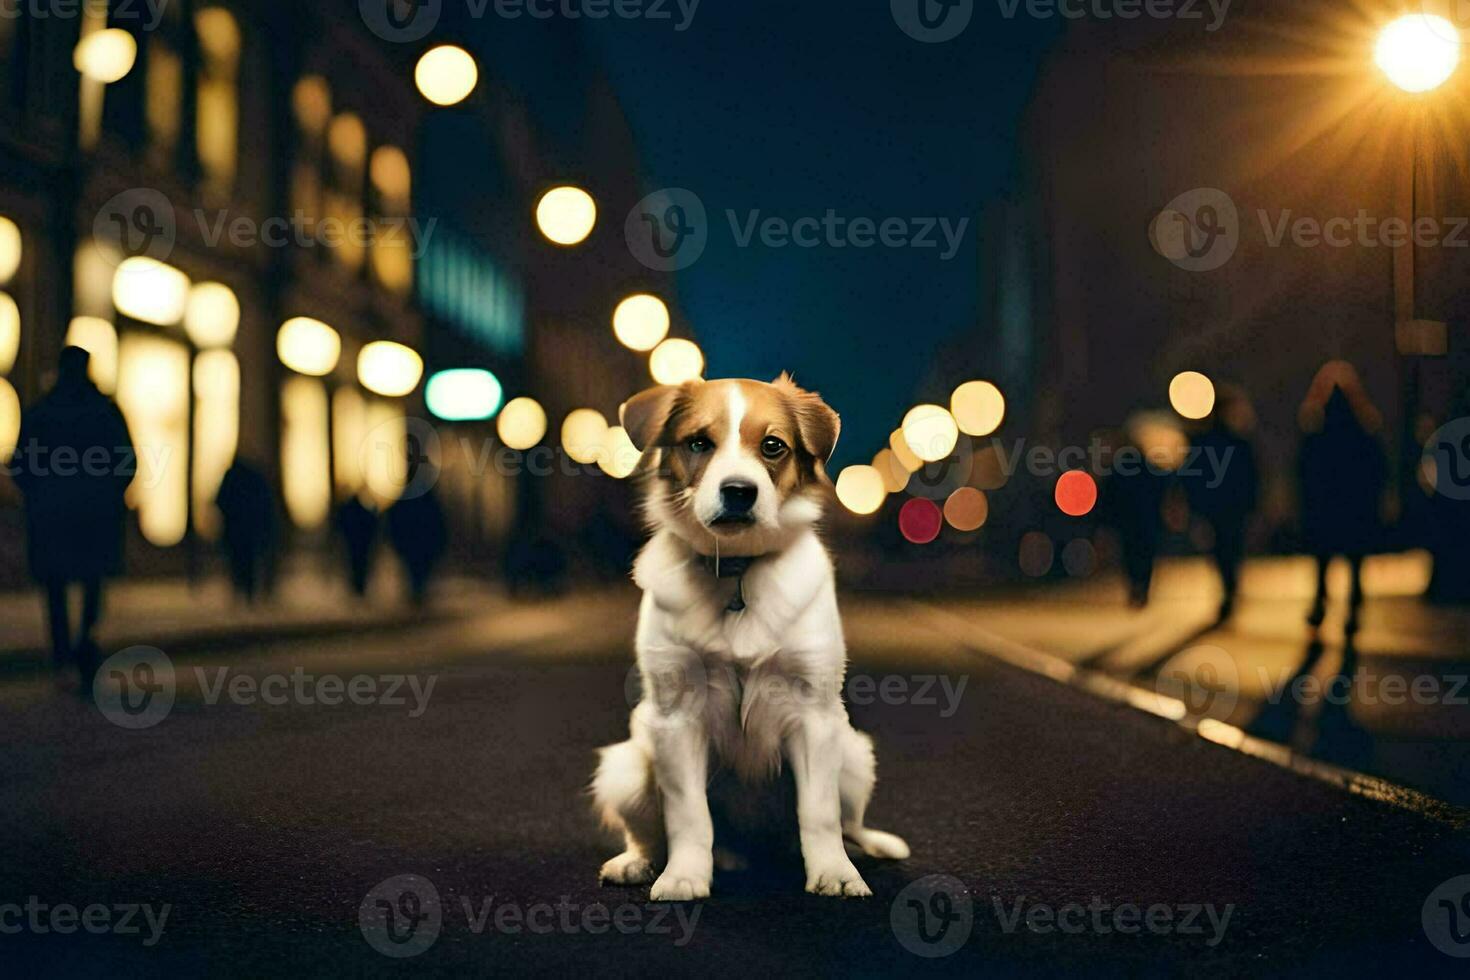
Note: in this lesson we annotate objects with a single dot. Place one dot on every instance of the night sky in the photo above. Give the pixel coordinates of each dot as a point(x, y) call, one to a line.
point(791, 110)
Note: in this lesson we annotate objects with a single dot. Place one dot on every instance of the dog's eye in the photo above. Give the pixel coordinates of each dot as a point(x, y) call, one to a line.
point(772, 448)
point(700, 444)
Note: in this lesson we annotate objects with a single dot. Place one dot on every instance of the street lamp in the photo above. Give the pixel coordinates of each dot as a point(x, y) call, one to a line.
point(1418, 52)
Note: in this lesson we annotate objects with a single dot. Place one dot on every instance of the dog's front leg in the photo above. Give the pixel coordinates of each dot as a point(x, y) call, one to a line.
point(681, 768)
point(814, 749)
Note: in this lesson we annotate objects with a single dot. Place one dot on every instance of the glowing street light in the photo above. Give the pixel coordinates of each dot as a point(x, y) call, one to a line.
point(583, 433)
point(9, 332)
point(641, 322)
point(389, 369)
point(1192, 394)
point(676, 361)
point(105, 56)
point(149, 290)
point(978, 408)
point(10, 249)
point(566, 215)
point(1418, 52)
point(211, 315)
point(619, 457)
point(446, 75)
point(308, 346)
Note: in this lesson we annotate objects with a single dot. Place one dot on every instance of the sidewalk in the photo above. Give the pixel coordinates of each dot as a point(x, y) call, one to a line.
point(173, 613)
point(1390, 701)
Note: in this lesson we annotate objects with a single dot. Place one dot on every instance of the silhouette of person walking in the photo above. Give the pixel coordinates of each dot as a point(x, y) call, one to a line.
point(74, 459)
point(1223, 486)
point(1342, 471)
point(418, 533)
point(358, 525)
point(1132, 503)
point(247, 505)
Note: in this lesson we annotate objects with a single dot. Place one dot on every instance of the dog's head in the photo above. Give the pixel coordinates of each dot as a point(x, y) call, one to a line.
point(733, 466)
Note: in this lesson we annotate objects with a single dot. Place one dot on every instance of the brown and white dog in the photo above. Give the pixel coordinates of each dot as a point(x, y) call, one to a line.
point(740, 647)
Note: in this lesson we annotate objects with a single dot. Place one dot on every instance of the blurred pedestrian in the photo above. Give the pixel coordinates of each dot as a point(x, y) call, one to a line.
point(1132, 503)
point(358, 525)
point(1223, 485)
point(418, 533)
point(74, 459)
point(1342, 472)
point(246, 504)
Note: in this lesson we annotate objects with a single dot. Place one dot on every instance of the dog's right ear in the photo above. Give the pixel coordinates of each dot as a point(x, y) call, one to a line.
point(646, 414)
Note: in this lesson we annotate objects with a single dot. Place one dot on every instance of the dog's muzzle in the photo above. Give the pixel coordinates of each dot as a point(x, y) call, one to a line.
point(737, 501)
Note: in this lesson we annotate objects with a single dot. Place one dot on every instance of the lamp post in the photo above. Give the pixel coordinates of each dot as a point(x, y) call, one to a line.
point(1418, 53)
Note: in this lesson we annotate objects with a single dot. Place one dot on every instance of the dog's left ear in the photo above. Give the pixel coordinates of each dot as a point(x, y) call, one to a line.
point(816, 423)
point(646, 414)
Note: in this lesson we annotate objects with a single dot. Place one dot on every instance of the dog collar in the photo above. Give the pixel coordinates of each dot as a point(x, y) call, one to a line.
point(730, 568)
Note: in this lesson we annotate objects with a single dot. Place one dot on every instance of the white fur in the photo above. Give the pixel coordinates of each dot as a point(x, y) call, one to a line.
point(750, 691)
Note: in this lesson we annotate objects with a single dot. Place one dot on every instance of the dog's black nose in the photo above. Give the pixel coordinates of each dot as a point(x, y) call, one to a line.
point(737, 496)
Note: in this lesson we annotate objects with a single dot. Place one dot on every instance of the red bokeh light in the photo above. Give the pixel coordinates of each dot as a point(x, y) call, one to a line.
point(1076, 493)
point(920, 520)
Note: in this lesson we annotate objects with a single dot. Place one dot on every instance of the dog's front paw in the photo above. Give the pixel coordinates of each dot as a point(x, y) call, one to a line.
point(628, 868)
point(676, 886)
point(839, 880)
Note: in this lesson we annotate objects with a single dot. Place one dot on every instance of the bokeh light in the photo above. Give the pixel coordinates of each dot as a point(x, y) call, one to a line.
point(1036, 554)
point(1192, 394)
point(895, 474)
point(105, 56)
point(1076, 493)
point(930, 432)
point(966, 509)
point(522, 423)
point(446, 74)
point(10, 249)
point(583, 432)
point(988, 470)
point(919, 520)
point(9, 420)
point(860, 489)
point(97, 337)
point(1418, 52)
point(9, 332)
point(902, 453)
point(463, 394)
point(389, 369)
point(149, 290)
point(308, 346)
point(978, 408)
point(212, 315)
point(641, 322)
point(618, 457)
point(566, 215)
point(676, 361)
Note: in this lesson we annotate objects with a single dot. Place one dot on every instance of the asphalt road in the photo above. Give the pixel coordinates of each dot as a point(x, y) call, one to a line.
point(272, 831)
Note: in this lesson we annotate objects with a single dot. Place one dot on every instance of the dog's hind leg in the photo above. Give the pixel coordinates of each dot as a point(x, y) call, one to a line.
point(855, 787)
point(626, 798)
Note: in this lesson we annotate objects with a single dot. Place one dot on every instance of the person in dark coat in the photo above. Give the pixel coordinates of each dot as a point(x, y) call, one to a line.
point(1131, 502)
point(418, 533)
point(247, 505)
point(358, 525)
point(74, 459)
point(1223, 485)
point(1342, 471)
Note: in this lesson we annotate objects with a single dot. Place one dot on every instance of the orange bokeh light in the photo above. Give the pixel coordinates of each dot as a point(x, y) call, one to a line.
point(1076, 493)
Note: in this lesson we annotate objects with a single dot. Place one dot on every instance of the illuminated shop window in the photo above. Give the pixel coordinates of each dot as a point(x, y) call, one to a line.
point(217, 120)
point(306, 478)
point(216, 432)
point(153, 392)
